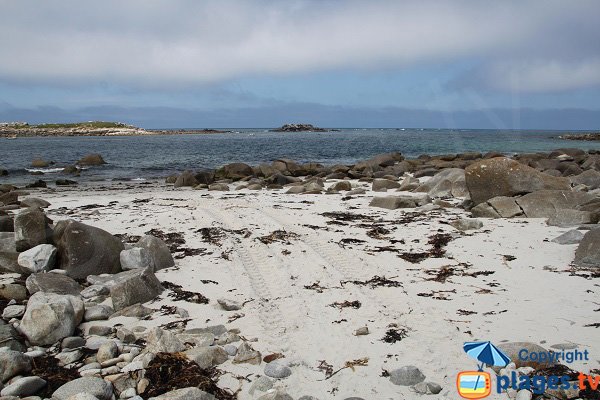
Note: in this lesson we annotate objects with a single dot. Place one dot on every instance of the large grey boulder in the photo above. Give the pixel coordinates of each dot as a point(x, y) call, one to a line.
point(400, 201)
point(51, 317)
point(504, 177)
point(158, 250)
point(139, 286)
point(207, 357)
point(10, 338)
point(187, 178)
point(31, 229)
point(571, 237)
point(9, 262)
point(406, 376)
point(234, 171)
point(163, 341)
point(52, 282)
point(8, 242)
point(548, 203)
point(86, 250)
point(382, 185)
point(34, 202)
point(589, 178)
point(23, 387)
point(37, 259)
point(507, 207)
point(97, 387)
point(13, 363)
point(588, 251)
point(191, 393)
point(449, 182)
point(135, 258)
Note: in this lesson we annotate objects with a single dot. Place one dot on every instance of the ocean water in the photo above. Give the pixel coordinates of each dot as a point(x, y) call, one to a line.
point(151, 157)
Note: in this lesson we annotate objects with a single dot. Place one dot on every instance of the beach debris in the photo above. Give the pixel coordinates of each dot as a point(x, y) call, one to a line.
point(438, 294)
point(179, 324)
point(347, 217)
point(177, 293)
point(316, 287)
point(378, 232)
point(437, 243)
point(279, 236)
point(173, 240)
point(171, 371)
point(395, 334)
point(346, 304)
point(362, 331)
point(376, 281)
point(347, 241)
point(272, 357)
point(328, 368)
point(49, 369)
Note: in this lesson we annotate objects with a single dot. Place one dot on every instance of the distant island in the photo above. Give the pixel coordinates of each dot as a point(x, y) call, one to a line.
point(299, 128)
point(585, 136)
point(90, 128)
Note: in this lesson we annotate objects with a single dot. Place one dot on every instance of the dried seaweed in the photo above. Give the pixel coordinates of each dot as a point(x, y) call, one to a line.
point(328, 368)
point(278, 236)
point(174, 240)
point(47, 368)
point(394, 335)
point(437, 294)
point(216, 235)
point(594, 325)
point(168, 372)
point(177, 293)
point(346, 304)
point(442, 274)
point(438, 242)
point(376, 281)
point(179, 324)
point(414, 257)
point(378, 232)
point(127, 238)
point(347, 217)
point(316, 287)
point(187, 252)
point(465, 312)
point(348, 241)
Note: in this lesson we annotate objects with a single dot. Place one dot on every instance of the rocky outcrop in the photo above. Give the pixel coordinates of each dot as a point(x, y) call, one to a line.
point(50, 317)
point(299, 128)
point(487, 179)
point(86, 250)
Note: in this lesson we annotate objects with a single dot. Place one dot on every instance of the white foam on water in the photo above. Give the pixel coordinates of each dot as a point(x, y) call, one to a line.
point(45, 170)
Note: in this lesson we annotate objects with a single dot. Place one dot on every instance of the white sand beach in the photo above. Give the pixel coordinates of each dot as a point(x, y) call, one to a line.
point(506, 281)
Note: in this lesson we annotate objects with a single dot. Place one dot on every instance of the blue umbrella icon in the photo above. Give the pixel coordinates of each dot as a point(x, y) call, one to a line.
point(486, 353)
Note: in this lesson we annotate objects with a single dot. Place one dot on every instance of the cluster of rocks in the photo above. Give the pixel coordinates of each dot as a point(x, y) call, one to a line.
point(62, 283)
point(299, 128)
point(83, 129)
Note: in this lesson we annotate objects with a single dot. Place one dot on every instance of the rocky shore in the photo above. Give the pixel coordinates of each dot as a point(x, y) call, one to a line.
point(585, 136)
point(300, 281)
point(22, 129)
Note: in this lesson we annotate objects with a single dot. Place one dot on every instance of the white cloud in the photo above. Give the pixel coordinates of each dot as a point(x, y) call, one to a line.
point(174, 43)
point(545, 75)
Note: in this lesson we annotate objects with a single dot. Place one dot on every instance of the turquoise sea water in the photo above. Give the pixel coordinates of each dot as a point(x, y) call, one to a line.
point(158, 156)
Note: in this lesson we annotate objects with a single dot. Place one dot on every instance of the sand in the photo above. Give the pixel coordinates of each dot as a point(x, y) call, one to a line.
point(525, 294)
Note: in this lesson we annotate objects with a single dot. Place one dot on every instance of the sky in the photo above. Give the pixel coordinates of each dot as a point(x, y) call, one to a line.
point(250, 63)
